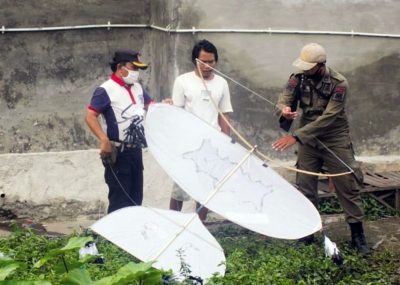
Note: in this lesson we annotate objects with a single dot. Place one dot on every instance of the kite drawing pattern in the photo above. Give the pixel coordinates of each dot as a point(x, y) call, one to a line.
point(210, 163)
point(144, 232)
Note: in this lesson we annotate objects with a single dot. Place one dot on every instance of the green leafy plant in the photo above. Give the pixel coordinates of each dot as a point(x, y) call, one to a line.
point(61, 265)
point(254, 259)
point(373, 209)
point(251, 259)
point(142, 273)
point(7, 266)
point(74, 243)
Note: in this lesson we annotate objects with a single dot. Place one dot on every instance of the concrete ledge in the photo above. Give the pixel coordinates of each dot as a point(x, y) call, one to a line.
point(54, 185)
point(68, 184)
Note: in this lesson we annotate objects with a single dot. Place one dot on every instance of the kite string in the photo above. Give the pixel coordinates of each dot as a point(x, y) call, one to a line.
point(248, 144)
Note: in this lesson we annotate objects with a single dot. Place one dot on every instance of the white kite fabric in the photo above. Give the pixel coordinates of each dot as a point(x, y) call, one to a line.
point(198, 157)
point(163, 236)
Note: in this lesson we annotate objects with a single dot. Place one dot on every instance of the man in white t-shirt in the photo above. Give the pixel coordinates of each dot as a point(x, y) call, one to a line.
point(190, 93)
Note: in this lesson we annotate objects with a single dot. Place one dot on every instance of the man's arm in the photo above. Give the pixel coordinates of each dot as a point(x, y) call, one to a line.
point(92, 121)
point(334, 108)
point(147, 99)
point(286, 110)
point(225, 106)
point(287, 103)
point(223, 124)
point(178, 94)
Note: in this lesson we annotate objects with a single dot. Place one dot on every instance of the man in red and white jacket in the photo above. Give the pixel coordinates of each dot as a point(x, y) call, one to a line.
point(121, 103)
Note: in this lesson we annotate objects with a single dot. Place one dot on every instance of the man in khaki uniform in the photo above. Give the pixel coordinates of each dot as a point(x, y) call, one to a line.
point(323, 135)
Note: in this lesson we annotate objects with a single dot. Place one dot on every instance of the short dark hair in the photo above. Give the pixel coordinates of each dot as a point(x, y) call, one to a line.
point(114, 65)
point(205, 46)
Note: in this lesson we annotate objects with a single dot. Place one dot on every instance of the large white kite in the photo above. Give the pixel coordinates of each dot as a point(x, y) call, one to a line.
point(169, 238)
point(225, 177)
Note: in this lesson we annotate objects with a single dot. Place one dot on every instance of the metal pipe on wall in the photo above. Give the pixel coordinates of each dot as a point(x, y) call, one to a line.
point(194, 30)
point(66, 28)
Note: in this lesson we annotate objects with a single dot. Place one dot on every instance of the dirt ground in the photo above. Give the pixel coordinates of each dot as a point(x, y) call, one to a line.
point(381, 234)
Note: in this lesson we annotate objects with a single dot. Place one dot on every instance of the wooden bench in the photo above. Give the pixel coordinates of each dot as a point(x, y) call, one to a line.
point(382, 186)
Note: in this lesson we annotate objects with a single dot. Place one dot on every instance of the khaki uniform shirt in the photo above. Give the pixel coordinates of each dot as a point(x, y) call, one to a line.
point(323, 107)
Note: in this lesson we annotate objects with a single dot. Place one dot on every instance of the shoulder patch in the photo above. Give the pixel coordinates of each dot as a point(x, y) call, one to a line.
point(339, 93)
point(292, 83)
point(336, 75)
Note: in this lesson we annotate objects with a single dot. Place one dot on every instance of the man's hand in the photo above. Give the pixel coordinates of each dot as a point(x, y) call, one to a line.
point(284, 143)
point(167, 101)
point(288, 114)
point(105, 148)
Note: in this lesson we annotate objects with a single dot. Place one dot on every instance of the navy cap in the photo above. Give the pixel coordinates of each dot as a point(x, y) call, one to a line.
point(129, 56)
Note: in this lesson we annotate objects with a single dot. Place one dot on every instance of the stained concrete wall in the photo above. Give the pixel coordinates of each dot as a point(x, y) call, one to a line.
point(67, 184)
point(262, 62)
point(47, 78)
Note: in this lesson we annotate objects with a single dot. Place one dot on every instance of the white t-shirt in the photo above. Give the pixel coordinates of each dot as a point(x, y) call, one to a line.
point(189, 92)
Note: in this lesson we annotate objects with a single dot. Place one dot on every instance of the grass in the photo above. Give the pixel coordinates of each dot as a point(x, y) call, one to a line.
point(254, 259)
point(250, 259)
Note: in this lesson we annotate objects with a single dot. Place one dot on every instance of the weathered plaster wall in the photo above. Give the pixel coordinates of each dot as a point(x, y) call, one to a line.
point(51, 185)
point(68, 184)
point(47, 78)
point(162, 49)
point(263, 62)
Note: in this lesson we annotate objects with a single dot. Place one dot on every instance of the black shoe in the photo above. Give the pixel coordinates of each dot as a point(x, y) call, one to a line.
point(358, 241)
point(307, 240)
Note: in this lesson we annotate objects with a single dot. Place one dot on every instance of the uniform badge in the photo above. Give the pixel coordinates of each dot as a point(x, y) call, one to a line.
point(292, 83)
point(339, 93)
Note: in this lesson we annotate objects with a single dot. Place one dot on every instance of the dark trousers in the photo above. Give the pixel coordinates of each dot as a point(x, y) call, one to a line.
point(128, 189)
point(347, 188)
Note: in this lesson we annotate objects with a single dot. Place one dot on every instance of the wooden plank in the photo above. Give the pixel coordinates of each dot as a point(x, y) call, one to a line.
point(393, 176)
point(384, 179)
point(383, 202)
point(373, 180)
point(380, 186)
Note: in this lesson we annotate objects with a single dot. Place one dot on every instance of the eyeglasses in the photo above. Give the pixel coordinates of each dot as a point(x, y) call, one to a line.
point(208, 62)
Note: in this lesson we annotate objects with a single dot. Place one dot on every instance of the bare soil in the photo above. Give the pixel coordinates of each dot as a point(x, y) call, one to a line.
point(382, 234)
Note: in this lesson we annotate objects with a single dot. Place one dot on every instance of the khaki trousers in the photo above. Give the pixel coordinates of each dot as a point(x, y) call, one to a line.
point(347, 187)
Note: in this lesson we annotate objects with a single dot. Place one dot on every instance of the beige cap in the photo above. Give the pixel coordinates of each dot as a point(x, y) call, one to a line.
point(310, 55)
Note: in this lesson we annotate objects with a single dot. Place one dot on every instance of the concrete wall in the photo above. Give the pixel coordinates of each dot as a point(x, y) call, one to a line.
point(47, 78)
point(263, 62)
point(68, 184)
